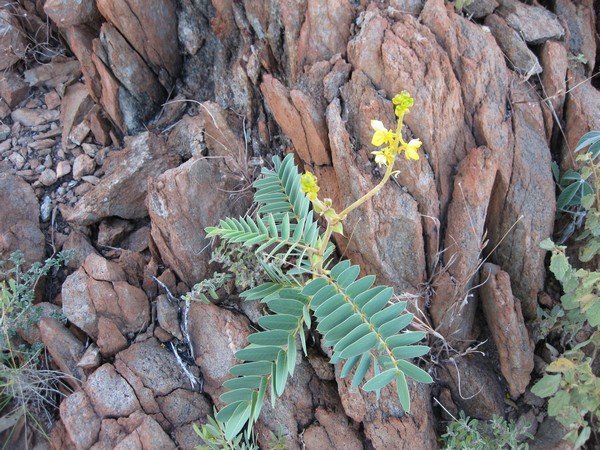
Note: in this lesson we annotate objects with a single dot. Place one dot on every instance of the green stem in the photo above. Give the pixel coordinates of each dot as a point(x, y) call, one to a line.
point(368, 195)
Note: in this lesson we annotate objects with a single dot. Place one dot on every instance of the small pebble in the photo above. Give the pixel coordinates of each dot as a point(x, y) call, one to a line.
point(17, 160)
point(4, 132)
point(48, 177)
point(46, 209)
point(63, 168)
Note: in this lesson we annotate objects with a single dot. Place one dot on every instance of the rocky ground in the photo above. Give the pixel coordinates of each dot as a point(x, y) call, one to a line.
point(127, 128)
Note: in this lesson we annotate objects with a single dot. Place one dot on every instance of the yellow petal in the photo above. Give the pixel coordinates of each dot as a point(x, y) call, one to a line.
point(379, 138)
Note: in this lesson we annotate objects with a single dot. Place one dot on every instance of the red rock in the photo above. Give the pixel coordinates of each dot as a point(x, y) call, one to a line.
point(112, 230)
point(41, 310)
point(581, 116)
point(52, 100)
point(151, 29)
point(19, 224)
point(453, 308)
point(504, 317)
point(520, 254)
point(82, 166)
point(148, 435)
point(99, 126)
point(185, 199)
point(34, 117)
point(82, 425)
point(4, 109)
point(167, 315)
point(110, 340)
point(90, 359)
point(534, 23)
point(122, 191)
point(48, 177)
point(579, 20)
point(79, 132)
point(332, 432)
point(325, 31)
point(399, 260)
point(67, 13)
point(65, 349)
point(215, 335)
point(102, 269)
point(110, 394)
point(474, 385)
point(555, 63)
point(59, 71)
point(187, 137)
point(13, 43)
point(80, 39)
point(132, 71)
point(81, 247)
point(517, 53)
point(110, 88)
point(75, 105)
point(13, 89)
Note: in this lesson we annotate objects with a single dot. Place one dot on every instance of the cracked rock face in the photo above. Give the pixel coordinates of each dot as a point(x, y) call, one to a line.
point(96, 298)
point(137, 401)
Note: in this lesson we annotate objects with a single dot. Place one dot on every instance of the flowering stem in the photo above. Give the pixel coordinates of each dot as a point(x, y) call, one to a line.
point(368, 195)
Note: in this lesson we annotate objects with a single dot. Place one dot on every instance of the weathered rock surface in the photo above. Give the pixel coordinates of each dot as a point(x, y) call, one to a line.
point(13, 88)
point(98, 290)
point(65, 349)
point(197, 194)
point(453, 305)
point(504, 317)
point(122, 191)
point(67, 13)
point(19, 223)
point(535, 23)
point(520, 58)
point(13, 42)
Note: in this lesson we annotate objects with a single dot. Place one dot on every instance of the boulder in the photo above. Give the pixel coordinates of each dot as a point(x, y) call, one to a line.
point(122, 191)
point(504, 317)
point(67, 13)
point(453, 306)
point(184, 201)
point(19, 224)
point(151, 29)
point(519, 57)
point(13, 43)
point(66, 350)
point(98, 291)
point(535, 23)
point(13, 88)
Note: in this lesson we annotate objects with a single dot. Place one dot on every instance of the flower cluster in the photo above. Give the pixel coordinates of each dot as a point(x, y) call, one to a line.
point(308, 183)
point(394, 141)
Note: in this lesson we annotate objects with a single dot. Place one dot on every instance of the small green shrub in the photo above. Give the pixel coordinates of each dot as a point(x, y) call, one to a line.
point(570, 385)
point(465, 433)
point(360, 322)
point(24, 386)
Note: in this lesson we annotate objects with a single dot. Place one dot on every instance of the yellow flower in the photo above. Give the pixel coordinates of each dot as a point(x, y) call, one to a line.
point(411, 149)
point(382, 135)
point(403, 102)
point(309, 186)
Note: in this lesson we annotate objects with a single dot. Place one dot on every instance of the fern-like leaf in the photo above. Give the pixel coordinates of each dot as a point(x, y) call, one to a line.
point(362, 326)
point(268, 360)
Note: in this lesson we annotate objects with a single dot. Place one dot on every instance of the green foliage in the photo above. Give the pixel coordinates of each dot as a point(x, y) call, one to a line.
point(213, 437)
point(574, 394)
point(472, 434)
point(360, 322)
point(569, 383)
point(24, 386)
point(459, 5)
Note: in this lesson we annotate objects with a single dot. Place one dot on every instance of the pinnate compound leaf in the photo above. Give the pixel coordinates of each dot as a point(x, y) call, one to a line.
point(380, 381)
point(361, 346)
point(402, 390)
point(361, 370)
point(416, 373)
point(237, 420)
